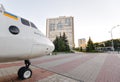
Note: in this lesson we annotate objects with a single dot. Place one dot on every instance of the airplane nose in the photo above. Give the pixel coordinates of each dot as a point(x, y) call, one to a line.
point(52, 47)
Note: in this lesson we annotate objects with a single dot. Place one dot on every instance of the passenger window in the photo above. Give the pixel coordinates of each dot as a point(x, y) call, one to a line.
point(14, 30)
point(25, 22)
point(32, 25)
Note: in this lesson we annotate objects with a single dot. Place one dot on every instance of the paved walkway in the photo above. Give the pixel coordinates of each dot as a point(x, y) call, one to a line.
point(98, 67)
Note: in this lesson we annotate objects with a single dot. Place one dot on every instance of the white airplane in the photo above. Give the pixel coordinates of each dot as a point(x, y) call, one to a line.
point(21, 40)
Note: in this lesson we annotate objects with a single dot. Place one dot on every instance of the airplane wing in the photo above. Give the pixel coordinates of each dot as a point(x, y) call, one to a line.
point(80, 67)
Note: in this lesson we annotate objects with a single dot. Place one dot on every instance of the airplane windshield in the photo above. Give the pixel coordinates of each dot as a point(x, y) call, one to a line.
point(25, 22)
point(33, 25)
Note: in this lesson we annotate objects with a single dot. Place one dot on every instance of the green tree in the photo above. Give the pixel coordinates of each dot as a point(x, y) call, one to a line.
point(90, 46)
point(61, 44)
point(64, 38)
point(107, 43)
point(80, 49)
point(56, 43)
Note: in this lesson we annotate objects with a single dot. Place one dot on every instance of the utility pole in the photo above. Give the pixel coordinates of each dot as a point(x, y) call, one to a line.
point(112, 43)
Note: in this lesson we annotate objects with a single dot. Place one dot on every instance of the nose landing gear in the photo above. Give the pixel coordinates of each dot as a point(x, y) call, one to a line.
point(25, 72)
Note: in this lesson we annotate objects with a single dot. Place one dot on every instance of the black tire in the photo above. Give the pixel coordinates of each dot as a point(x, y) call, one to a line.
point(24, 73)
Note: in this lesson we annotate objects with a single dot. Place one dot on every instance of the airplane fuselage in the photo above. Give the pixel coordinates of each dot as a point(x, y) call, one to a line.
point(20, 39)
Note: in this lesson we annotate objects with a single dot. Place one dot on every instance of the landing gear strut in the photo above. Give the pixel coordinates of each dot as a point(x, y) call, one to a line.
point(25, 72)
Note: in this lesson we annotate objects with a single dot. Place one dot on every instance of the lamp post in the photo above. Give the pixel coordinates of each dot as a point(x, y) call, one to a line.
point(112, 43)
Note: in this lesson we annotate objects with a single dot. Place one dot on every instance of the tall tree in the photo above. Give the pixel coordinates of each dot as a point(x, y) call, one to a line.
point(90, 46)
point(64, 37)
point(61, 44)
point(56, 43)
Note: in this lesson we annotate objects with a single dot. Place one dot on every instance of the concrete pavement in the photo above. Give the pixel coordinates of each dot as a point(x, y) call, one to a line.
point(80, 67)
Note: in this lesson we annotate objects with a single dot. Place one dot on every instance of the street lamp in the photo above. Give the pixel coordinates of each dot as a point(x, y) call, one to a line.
point(112, 43)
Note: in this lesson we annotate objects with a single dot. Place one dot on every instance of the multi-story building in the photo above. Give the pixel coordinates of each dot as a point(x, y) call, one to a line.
point(60, 25)
point(82, 43)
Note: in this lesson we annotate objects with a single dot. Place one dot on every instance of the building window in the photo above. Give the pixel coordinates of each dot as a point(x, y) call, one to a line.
point(32, 25)
point(52, 27)
point(25, 22)
point(67, 21)
point(59, 26)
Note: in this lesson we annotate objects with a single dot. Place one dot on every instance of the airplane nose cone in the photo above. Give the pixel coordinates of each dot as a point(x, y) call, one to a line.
point(52, 47)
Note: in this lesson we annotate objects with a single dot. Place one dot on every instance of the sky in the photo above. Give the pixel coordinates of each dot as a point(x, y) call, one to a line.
point(92, 18)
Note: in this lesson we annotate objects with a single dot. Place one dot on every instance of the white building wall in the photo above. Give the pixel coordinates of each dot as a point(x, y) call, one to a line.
point(82, 43)
point(57, 26)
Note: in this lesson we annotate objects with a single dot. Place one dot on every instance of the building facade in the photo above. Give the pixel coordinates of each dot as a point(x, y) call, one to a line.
point(82, 43)
point(60, 25)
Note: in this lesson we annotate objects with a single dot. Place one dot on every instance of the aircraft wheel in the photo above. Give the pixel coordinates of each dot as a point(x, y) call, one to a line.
point(24, 73)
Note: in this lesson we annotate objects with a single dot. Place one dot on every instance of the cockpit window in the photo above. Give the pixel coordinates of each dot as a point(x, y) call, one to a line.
point(25, 22)
point(32, 25)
